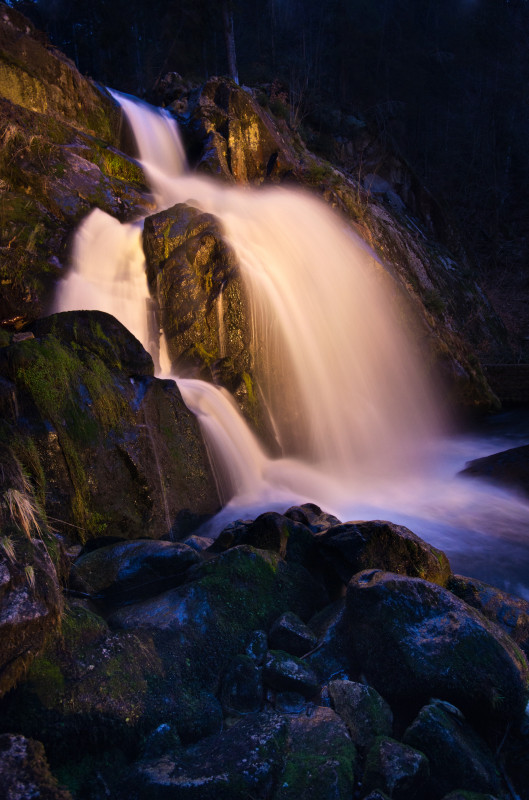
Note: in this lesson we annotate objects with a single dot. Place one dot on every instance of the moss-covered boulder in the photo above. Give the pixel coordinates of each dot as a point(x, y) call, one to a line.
point(112, 450)
point(364, 711)
point(377, 544)
point(320, 759)
point(413, 639)
point(30, 596)
point(106, 688)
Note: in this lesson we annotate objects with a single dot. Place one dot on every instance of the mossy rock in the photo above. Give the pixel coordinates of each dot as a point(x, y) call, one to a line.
point(114, 451)
point(320, 760)
point(91, 683)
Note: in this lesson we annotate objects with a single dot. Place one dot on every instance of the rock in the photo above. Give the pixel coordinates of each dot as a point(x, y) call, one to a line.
point(101, 334)
point(131, 570)
point(330, 657)
point(60, 135)
point(245, 760)
point(239, 141)
point(286, 673)
point(30, 595)
point(291, 634)
point(24, 771)
point(395, 768)
point(242, 687)
point(193, 274)
point(459, 758)
point(257, 646)
point(320, 759)
point(160, 741)
point(119, 454)
point(509, 612)
point(354, 546)
point(508, 468)
point(364, 711)
point(287, 702)
point(376, 794)
point(413, 639)
point(91, 683)
point(312, 516)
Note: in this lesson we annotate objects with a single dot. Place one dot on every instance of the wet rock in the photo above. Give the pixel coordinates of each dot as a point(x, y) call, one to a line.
point(291, 634)
point(242, 687)
point(508, 468)
point(509, 612)
point(286, 673)
point(160, 741)
point(320, 759)
point(131, 570)
point(24, 771)
point(238, 139)
point(354, 546)
point(120, 454)
point(245, 760)
point(395, 768)
point(364, 711)
point(312, 516)
point(459, 758)
point(413, 639)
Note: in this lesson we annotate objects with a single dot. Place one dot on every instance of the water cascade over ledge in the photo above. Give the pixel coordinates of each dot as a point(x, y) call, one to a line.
point(354, 417)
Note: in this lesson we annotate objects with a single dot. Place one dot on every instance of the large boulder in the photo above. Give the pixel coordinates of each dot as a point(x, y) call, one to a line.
point(194, 277)
point(354, 546)
point(114, 450)
point(414, 640)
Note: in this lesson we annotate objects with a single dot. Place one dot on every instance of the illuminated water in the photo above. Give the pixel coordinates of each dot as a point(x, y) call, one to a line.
point(357, 423)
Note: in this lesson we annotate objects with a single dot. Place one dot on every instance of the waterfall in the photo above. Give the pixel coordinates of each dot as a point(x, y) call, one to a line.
point(355, 417)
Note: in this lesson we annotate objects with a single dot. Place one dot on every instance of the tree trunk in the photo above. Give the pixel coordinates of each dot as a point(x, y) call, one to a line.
point(227, 18)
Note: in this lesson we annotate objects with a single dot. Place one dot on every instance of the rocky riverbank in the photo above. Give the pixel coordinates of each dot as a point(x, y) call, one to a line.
point(294, 657)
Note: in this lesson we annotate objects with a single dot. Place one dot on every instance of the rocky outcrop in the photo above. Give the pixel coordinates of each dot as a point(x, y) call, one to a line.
point(508, 468)
point(24, 771)
point(60, 135)
point(113, 450)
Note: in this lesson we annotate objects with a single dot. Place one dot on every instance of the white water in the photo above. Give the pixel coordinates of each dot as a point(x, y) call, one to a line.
point(353, 414)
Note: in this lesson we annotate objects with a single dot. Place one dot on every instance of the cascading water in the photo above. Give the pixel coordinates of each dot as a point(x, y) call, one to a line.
point(353, 414)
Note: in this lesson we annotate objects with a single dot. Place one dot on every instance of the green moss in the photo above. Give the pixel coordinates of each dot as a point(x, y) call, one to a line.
point(116, 165)
point(249, 388)
point(202, 353)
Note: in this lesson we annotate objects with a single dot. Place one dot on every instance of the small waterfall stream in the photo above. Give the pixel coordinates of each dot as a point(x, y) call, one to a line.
point(357, 421)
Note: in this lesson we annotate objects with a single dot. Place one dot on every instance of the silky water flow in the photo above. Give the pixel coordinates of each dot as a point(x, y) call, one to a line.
point(354, 417)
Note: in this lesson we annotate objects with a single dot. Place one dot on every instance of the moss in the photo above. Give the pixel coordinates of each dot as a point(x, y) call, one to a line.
point(249, 388)
point(202, 353)
point(116, 165)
